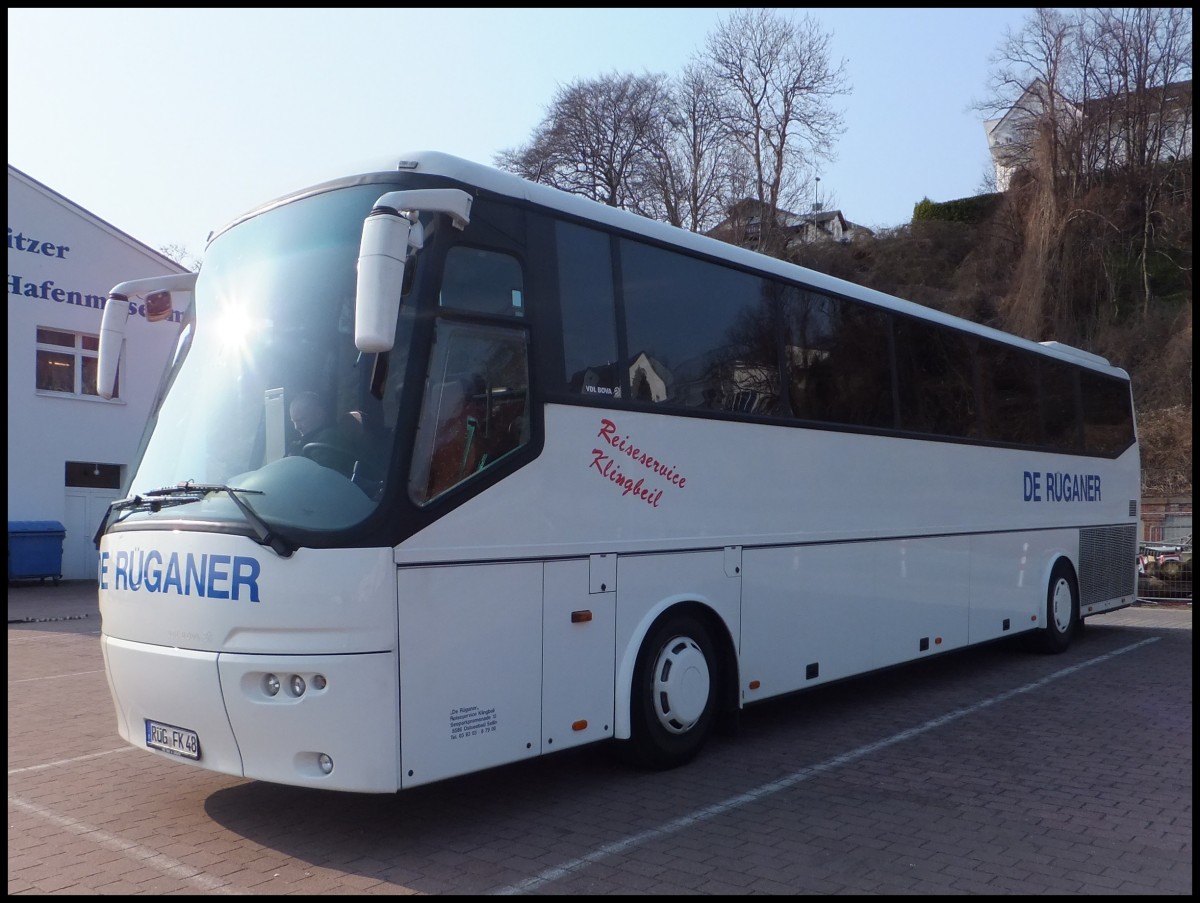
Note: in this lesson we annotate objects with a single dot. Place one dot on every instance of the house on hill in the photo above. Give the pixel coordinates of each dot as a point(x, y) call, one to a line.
point(1155, 124)
point(743, 225)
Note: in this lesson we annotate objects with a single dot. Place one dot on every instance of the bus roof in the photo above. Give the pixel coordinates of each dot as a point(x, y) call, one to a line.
point(511, 185)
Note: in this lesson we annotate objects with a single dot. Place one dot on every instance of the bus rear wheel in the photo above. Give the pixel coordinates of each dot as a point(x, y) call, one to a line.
point(675, 692)
point(1062, 611)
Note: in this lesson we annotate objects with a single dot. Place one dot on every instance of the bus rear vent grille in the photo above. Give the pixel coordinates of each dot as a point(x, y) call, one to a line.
point(1107, 563)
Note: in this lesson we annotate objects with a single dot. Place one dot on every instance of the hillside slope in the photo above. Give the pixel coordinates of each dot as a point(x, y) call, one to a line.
point(982, 271)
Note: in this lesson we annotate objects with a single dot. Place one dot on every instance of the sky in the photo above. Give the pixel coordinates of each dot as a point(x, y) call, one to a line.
point(169, 123)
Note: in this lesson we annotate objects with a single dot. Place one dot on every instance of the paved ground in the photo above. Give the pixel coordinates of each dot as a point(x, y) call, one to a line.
point(71, 600)
point(983, 772)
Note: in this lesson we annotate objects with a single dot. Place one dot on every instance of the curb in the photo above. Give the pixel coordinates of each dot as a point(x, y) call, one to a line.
point(44, 620)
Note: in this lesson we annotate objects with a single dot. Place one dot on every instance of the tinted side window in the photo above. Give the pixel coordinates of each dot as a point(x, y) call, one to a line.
point(838, 360)
point(936, 374)
point(482, 282)
point(1008, 381)
point(589, 319)
point(699, 335)
point(1061, 420)
point(1107, 414)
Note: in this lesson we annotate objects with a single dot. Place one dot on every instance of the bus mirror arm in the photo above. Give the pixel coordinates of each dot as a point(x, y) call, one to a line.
point(160, 304)
point(391, 232)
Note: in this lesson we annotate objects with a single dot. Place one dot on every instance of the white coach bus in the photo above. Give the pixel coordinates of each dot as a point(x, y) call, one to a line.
point(585, 477)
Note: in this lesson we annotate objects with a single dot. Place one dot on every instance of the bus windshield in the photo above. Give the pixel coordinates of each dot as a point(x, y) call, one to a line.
point(271, 396)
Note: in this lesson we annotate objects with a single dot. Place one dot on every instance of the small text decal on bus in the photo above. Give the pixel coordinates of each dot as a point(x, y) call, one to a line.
point(1061, 487)
point(471, 721)
point(622, 450)
point(208, 576)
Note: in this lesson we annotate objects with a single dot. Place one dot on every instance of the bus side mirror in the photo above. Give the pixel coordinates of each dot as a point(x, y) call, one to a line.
point(160, 294)
point(387, 235)
point(390, 232)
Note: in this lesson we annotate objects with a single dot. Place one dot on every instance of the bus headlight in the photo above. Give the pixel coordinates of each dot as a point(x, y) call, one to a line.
point(297, 685)
point(325, 762)
point(271, 685)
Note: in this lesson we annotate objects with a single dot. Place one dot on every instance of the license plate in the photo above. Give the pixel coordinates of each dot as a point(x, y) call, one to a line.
point(177, 740)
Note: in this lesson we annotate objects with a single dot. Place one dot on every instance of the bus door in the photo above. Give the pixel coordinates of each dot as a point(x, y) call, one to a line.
point(501, 662)
point(578, 661)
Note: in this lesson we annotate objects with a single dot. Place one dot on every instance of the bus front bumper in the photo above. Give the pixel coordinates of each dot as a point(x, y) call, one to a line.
point(327, 721)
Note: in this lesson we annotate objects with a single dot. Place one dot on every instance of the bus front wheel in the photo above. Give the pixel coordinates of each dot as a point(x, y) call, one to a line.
point(1062, 611)
point(675, 692)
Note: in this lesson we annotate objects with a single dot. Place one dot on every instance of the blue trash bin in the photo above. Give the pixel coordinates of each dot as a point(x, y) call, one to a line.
point(35, 549)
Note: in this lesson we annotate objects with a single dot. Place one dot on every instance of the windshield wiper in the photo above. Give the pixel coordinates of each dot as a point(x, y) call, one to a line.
point(139, 502)
point(186, 492)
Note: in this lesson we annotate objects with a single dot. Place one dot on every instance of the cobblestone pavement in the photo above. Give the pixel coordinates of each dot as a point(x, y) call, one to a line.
point(988, 771)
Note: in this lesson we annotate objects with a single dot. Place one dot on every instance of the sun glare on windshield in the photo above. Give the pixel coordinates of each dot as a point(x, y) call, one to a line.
point(236, 328)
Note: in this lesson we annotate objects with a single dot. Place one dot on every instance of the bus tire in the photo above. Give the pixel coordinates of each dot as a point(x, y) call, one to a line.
point(1062, 611)
point(676, 688)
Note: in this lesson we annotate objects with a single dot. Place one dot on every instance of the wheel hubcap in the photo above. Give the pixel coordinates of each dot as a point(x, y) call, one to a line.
point(1061, 605)
point(681, 685)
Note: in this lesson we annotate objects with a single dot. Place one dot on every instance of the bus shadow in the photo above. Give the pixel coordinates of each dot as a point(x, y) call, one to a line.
point(426, 838)
point(420, 838)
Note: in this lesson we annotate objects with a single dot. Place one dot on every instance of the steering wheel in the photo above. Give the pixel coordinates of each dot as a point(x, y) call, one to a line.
point(324, 453)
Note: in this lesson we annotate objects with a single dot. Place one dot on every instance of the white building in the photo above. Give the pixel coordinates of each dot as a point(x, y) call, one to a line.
point(1156, 123)
point(69, 451)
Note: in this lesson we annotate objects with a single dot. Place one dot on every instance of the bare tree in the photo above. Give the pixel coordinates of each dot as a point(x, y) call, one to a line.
point(1097, 111)
point(1142, 127)
point(1138, 52)
point(596, 137)
point(776, 82)
point(1035, 84)
point(181, 255)
point(684, 179)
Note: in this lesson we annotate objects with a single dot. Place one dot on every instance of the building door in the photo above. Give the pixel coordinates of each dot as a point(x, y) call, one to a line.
point(83, 512)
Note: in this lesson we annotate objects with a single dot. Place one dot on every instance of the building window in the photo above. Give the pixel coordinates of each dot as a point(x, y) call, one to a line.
point(92, 475)
point(66, 363)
